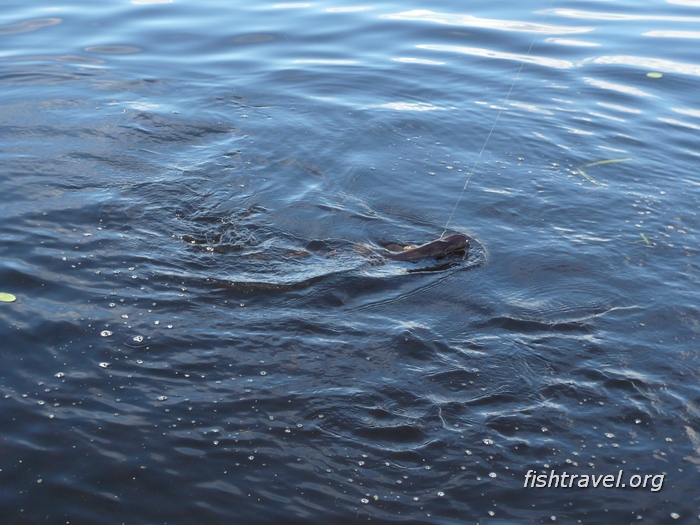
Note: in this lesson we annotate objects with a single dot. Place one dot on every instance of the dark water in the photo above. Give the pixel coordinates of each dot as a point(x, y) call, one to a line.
point(198, 339)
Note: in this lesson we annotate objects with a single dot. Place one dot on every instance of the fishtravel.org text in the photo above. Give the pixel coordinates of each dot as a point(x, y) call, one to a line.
point(552, 479)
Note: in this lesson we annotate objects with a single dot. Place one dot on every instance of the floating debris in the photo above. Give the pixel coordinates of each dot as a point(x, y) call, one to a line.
point(7, 298)
point(598, 163)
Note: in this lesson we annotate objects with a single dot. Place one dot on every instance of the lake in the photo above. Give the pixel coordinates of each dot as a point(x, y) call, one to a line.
point(195, 203)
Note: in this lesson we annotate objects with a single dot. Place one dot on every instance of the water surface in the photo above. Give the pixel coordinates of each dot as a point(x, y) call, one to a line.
point(197, 337)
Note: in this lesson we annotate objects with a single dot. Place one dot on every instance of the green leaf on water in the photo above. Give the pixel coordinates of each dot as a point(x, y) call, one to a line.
point(608, 161)
point(645, 239)
point(598, 163)
point(654, 74)
point(587, 176)
point(7, 298)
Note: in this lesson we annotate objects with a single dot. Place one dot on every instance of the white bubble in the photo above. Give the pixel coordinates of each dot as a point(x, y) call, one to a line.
point(104, 365)
point(105, 333)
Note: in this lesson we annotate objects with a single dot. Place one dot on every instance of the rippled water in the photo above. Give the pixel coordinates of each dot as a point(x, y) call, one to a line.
point(194, 200)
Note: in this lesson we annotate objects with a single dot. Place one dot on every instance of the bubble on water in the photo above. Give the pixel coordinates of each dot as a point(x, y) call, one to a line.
point(138, 338)
point(488, 441)
point(105, 333)
point(162, 398)
point(59, 374)
point(440, 493)
point(493, 475)
point(104, 365)
point(675, 515)
point(251, 458)
point(364, 500)
point(609, 435)
point(263, 373)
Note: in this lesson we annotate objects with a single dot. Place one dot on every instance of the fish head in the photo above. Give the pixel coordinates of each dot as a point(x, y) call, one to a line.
point(456, 243)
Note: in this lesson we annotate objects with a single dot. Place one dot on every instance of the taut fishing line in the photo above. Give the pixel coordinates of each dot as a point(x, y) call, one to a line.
point(498, 115)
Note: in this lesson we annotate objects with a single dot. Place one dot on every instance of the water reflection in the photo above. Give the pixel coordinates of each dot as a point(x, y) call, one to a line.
point(570, 42)
point(617, 87)
point(29, 25)
point(290, 6)
point(351, 9)
point(488, 53)
point(473, 21)
point(592, 15)
point(657, 64)
point(672, 34)
point(685, 111)
point(411, 60)
point(681, 123)
point(411, 106)
point(617, 107)
point(113, 50)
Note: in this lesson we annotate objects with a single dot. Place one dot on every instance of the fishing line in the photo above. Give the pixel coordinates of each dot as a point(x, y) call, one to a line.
point(498, 115)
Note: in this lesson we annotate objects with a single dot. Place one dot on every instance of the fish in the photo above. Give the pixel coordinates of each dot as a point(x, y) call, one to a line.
point(438, 248)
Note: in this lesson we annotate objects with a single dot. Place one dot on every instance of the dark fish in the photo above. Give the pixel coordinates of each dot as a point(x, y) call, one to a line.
point(438, 248)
